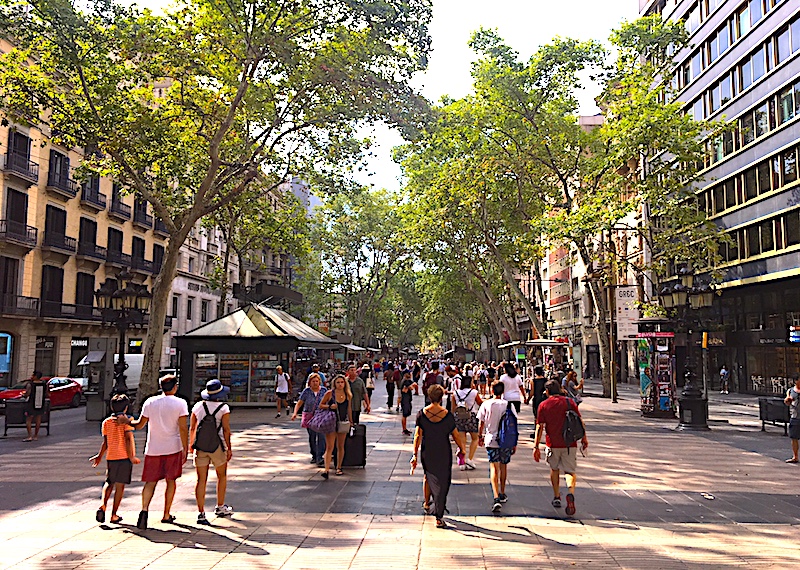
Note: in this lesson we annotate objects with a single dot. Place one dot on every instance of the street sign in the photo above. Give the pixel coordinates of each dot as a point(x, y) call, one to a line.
point(626, 313)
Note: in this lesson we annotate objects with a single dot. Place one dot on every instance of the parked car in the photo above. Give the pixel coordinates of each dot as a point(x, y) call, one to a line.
point(63, 392)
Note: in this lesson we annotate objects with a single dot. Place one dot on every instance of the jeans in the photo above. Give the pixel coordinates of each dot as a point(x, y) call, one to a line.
point(316, 441)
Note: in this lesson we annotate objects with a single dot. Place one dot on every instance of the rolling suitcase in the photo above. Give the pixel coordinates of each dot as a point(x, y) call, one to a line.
point(355, 447)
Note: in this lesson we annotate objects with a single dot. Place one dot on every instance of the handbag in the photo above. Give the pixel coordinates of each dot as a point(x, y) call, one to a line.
point(305, 419)
point(324, 421)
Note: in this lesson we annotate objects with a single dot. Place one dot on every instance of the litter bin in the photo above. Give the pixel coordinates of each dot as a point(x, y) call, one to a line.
point(15, 415)
point(773, 410)
point(95, 406)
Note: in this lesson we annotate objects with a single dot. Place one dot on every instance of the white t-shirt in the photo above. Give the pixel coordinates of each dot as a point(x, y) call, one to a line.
point(163, 414)
point(511, 391)
point(490, 413)
point(454, 383)
point(282, 380)
point(468, 396)
point(199, 412)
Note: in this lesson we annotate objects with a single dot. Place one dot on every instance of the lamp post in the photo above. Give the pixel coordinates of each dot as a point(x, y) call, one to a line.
point(124, 304)
point(683, 296)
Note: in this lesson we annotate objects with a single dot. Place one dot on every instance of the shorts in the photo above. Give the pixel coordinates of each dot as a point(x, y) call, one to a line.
point(158, 467)
point(405, 408)
point(217, 458)
point(562, 459)
point(119, 471)
point(794, 428)
point(481, 381)
point(282, 395)
point(499, 455)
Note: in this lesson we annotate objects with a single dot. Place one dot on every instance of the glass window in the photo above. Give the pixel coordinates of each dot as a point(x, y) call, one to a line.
point(730, 193)
point(750, 184)
point(795, 27)
point(753, 241)
point(789, 159)
point(743, 20)
point(203, 311)
point(770, 47)
point(785, 105)
point(748, 129)
point(767, 237)
point(764, 177)
point(758, 64)
point(175, 305)
point(797, 98)
point(717, 150)
point(697, 64)
point(693, 21)
point(189, 308)
point(723, 39)
point(733, 248)
point(783, 45)
point(746, 78)
point(719, 198)
point(756, 11)
point(715, 101)
point(697, 110)
point(762, 120)
point(727, 142)
point(725, 90)
point(775, 162)
point(791, 228)
point(713, 50)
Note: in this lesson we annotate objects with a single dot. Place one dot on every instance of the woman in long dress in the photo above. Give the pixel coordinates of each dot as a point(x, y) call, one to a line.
point(435, 425)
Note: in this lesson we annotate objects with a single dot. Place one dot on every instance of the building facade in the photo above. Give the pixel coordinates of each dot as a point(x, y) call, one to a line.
point(743, 66)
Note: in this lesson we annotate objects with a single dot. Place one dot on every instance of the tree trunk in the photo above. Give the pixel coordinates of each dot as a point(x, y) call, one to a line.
point(148, 384)
point(508, 275)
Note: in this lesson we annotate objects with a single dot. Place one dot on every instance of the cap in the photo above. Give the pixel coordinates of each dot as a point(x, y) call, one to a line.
point(215, 390)
point(315, 365)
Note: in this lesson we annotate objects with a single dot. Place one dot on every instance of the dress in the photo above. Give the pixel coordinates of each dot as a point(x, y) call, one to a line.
point(437, 457)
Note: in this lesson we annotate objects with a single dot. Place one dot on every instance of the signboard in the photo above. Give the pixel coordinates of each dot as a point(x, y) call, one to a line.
point(626, 313)
point(794, 334)
point(656, 335)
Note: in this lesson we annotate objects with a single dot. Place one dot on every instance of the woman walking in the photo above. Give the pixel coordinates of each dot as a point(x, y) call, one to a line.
point(368, 378)
point(538, 396)
point(435, 425)
point(337, 399)
point(405, 398)
point(466, 402)
point(514, 390)
point(309, 401)
point(388, 376)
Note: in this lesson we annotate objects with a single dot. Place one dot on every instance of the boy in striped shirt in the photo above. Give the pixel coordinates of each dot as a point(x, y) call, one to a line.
point(120, 451)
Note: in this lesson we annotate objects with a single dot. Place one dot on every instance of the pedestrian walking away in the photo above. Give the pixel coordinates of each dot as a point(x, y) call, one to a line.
point(538, 396)
point(369, 379)
point(389, 376)
point(514, 389)
point(359, 393)
point(337, 399)
point(120, 452)
point(465, 403)
point(561, 455)
point(435, 426)
point(283, 387)
point(433, 376)
point(309, 402)
point(793, 401)
point(724, 376)
point(491, 415)
point(210, 439)
point(37, 393)
point(167, 445)
point(406, 387)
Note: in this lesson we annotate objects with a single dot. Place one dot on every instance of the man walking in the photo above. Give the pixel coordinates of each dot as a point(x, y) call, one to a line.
point(793, 401)
point(559, 455)
point(724, 376)
point(490, 416)
point(283, 388)
point(167, 444)
point(359, 390)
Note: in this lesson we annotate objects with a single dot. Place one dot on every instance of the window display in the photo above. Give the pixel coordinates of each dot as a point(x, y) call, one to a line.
point(262, 377)
point(205, 368)
point(234, 371)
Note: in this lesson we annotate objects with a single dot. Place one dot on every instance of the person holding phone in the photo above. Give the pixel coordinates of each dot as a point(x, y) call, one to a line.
point(793, 401)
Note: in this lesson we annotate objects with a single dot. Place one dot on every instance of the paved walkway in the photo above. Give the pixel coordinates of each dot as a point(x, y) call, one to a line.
point(648, 497)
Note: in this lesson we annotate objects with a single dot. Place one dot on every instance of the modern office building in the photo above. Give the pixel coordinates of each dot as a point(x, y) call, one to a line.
point(743, 66)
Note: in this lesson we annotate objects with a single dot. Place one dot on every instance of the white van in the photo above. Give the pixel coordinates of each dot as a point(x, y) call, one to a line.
point(132, 375)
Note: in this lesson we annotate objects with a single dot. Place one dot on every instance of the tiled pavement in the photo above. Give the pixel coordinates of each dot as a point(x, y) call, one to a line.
point(639, 502)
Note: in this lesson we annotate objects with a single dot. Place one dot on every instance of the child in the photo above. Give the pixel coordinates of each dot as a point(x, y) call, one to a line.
point(406, 387)
point(120, 451)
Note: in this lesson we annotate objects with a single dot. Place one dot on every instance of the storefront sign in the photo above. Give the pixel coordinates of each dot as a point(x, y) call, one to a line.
point(79, 343)
point(794, 334)
point(655, 335)
point(627, 314)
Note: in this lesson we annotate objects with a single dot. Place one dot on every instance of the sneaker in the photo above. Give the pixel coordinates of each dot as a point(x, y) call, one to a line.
point(406, 432)
point(503, 498)
point(556, 502)
point(313, 460)
point(570, 510)
point(462, 467)
point(223, 511)
point(470, 464)
point(497, 505)
point(279, 415)
point(201, 519)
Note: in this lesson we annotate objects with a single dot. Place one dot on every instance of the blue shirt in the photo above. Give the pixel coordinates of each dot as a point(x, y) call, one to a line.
point(310, 401)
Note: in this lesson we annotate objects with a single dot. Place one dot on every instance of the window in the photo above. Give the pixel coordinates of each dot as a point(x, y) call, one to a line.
point(767, 237)
point(753, 241)
point(758, 64)
point(713, 50)
point(762, 120)
point(697, 110)
point(693, 21)
point(723, 39)
point(797, 98)
point(725, 90)
point(746, 74)
point(748, 130)
point(727, 142)
point(743, 20)
point(730, 193)
point(756, 11)
point(763, 178)
point(783, 46)
point(750, 185)
point(785, 105)
point(791, 227)
point(158, 256)
point(137, 249)
point(795, 35)
point(715, 100)
point(697, 64)
point(189, 308)
point(719, 198)
point(175, 304)
point(776, 171)
point(114, 240)
point(191, 265)
point(203, 311)
point(789, 160)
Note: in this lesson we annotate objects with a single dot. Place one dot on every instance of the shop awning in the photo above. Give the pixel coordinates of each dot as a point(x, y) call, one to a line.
point(354, 348)
point(93, 357)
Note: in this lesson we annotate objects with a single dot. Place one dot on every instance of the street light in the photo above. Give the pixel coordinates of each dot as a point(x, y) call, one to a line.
point(123, 304)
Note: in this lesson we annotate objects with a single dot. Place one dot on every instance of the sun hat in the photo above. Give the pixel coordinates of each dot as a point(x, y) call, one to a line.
point(215, 390)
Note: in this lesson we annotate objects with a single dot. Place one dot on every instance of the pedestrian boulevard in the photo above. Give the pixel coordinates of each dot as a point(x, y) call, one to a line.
point(648, 497)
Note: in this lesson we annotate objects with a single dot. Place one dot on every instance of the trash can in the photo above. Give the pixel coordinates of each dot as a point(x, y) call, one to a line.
point(775, 411)
point(15, 415)
point(96, 407)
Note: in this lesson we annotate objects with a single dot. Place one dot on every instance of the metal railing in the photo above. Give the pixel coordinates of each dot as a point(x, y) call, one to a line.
point(18, 232)
point(142, 218)
point(19, 305)
point(57, 309)
point(141, 264)
point(92, 250)
point(62, 184)
point(93, 198)
point(160, 227)
point(60, 241)
point(120, 209)
point(22, 166)
point(118, 258)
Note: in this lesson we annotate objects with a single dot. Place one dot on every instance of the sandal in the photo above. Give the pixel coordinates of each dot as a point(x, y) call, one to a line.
point(28, 439)
point(426, 509)
point(116, 520)
point(339, 472)
point(169, 520)
point(324, 474)
point(792, 460)
point(440, 523)
point(100, 515)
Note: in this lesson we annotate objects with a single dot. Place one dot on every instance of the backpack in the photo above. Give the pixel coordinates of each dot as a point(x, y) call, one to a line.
point(208, 439)
point(573, 429)
point(508, 433)
point(430, 379)
point(461, 412)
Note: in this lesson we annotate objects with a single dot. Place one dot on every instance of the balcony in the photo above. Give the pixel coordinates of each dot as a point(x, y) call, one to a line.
point(58, 310)
point(160, 228)
point(22, 236)
point(141, 265)
point(119, 210)
point(61, 186)
point(21, 167)
point(93, 199)
point(90, 256)
point(118, 259)
point(18, 305)
point(59, 242)
point(142, 219)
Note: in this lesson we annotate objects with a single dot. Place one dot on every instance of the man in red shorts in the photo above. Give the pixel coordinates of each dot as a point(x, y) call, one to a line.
point(167, 444)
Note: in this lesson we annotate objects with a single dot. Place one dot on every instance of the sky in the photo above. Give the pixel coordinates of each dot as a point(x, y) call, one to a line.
point(523, 24)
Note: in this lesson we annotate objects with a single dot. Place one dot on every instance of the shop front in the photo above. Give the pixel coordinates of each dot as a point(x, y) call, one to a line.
point(243, 350)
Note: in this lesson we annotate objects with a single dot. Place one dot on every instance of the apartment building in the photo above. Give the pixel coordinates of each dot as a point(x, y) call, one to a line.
point(743, 66)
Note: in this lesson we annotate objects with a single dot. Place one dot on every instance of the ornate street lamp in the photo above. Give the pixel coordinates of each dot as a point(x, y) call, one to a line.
point(123, 304)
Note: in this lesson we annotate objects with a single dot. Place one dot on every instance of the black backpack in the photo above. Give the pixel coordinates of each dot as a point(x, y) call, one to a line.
point(207, 438)
point(573, 425)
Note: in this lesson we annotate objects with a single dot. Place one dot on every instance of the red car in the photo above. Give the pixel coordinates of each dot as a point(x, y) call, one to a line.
point(63, 392)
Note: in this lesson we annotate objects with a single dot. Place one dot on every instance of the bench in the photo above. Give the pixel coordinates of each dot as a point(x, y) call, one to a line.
point(773, 410)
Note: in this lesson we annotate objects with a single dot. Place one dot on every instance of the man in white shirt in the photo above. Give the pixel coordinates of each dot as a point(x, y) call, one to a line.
point(489, 416)
point(283, 386)
point(167, 444)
